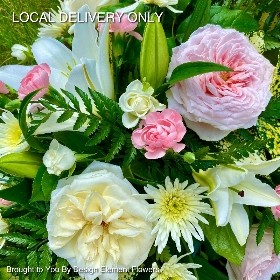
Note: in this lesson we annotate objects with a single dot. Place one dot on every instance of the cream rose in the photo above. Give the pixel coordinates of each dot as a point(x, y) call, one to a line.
point(137, 102)
point(95, 221)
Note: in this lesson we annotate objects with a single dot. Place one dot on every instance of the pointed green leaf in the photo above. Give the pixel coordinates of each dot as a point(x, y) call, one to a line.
point(66, 115)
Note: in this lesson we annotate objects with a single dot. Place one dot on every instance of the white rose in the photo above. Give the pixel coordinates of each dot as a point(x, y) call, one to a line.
point(19, 52)
point(137, 102)
point(3, 229)
point(58, 158)
point(95, 221)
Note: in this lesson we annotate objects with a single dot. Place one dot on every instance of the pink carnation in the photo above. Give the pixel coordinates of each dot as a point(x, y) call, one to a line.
point(3, 88)
point(260, 261)
point(276, 210)
point(121, 24)
point(159, 132)
point(36, 78)
point(214, 104)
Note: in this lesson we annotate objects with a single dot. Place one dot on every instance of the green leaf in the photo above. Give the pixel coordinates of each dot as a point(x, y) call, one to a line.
point(25, 164)
point(237, 19)
point(82, 118)
point(273, 109)
point(19, 239)
point(199, 17)
point(49, 183)
point(276, 237)
point(59, 264)
point(266, 221)
point(118, 141)
point(100, 135)
point(73, 99)
point(207, 271)
point(37, 192)
point(86, 100)
point(32, 261)
point(66, 115)
point(19, 193)
point(191, 69)
point(154, 57)
point(45, 261)
point(223, 241)
point(129, 156)
point(29, 224)
point(92, 127)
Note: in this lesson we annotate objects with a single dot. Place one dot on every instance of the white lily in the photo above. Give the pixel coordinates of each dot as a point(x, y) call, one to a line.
point(232, 186)
point(86, 66)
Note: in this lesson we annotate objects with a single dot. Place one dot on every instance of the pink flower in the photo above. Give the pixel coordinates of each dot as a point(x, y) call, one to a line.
point(121, 24)
point(276, 210)
point(5, 203)
point(259, 263)
point(159, 132)
point(214, 104)
point(36, 78)
point(3, 88)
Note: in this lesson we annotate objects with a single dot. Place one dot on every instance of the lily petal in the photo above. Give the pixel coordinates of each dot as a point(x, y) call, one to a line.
point(222, 205)
point(263, 167)
point(13, 74)
point(58, 80)
point(55, 54)
point(85, 37)
point(239, 223)
point(255, 193)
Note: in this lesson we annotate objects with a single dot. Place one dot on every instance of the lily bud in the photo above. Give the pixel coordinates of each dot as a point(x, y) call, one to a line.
point(154, 58)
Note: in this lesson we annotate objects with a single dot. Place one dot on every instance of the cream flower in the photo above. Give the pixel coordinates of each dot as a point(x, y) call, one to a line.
point(177, 210)
point(137, 102)
point(3, 229)
point(58, 158)
point(95, 221)
point(11, 137)
point(172, 270)
point(19, 52)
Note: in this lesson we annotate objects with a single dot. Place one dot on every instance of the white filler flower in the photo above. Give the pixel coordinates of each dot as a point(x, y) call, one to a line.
point(58, 158)
point(95, 221)
point(11, 137)
point(137, 102)
point(19, 52)
point(177, 210)
point(174, 270)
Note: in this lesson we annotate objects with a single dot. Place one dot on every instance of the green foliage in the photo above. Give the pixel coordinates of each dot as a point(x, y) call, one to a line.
point(223, 241)
point(276, 237)
point(236, 19)
point(266, 222)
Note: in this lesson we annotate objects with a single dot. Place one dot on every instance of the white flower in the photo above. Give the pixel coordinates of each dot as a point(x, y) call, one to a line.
point(177, 210)
point(58, 158)
point(174, 270)
point(137, 102)
point(3, 229)
point(95, 221)
point(11, 137)
point(19, 52)
point(56, 28)
point(160, 3)
point(231, 186)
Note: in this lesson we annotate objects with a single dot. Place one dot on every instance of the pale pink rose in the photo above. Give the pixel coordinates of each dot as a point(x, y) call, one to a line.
point(214, 104)
point(121, 24)
point(259, 263)
point(3, 88)
point(36, 78)
point(276, 210)
point(158, 132)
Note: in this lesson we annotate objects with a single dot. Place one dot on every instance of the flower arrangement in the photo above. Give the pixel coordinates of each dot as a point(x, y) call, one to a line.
point(140, 140)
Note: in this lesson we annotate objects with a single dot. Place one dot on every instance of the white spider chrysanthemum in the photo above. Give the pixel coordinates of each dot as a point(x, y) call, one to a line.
point(177, 210)
point(56, 28)
point(11, 137)
point(172, 270)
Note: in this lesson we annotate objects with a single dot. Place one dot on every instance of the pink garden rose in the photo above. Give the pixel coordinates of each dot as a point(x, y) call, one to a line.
point(214, 104)
point(36, 78)
point(3, 88)
point(259, 263)
point(276, 210)
point(158, 132)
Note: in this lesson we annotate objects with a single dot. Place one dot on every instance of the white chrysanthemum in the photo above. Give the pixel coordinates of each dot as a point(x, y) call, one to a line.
point(172, 270)
point(177, 210)
point(56, 28)
point(11, 137)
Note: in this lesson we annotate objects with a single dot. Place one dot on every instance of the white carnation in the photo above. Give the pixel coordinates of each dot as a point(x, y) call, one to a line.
point(58, 158)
